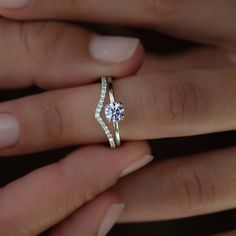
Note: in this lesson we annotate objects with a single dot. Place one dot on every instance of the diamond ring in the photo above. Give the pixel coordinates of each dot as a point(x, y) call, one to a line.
point(114, 112)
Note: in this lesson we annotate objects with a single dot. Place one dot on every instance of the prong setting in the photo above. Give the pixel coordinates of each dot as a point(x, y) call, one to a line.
point(114, 112)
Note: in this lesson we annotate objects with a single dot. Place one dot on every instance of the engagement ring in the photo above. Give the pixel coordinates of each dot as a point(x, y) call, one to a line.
point(114, 112)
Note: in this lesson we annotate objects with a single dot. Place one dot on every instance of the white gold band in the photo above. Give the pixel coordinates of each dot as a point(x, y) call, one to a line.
point(114, 112)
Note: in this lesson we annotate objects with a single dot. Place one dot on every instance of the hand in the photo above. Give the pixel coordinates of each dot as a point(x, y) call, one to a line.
point(44, 54)
point(54, 56)
point(51, 194)
point(183, 102)
point(187, 19)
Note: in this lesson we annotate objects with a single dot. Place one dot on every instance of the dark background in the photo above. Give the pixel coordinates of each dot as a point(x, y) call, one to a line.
point(12, 168)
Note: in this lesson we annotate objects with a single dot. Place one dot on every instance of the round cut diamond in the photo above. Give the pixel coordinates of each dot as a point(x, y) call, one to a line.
point(114, 112)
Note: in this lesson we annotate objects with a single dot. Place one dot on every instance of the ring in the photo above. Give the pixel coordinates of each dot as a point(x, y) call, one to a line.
point(114, 112)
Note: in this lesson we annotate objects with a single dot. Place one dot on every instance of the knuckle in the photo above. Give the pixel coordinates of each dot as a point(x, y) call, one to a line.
point(54, 119)
point(176, 101)
point(193, 188)
point(156, 9)
point(40, 39)
point(89, 186)
point(24, 32)
point(93, 188)
point(65, 180)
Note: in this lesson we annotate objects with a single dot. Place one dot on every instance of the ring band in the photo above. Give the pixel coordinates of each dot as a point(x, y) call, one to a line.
point(114, 112)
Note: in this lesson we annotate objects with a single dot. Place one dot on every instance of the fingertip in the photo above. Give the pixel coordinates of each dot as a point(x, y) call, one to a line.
point(112, 49)
point(117, 56)
point(139, 146)
point(133, 64)
point(78, 222)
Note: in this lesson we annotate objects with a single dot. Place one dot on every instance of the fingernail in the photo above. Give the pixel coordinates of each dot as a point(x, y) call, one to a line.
point(9, 131)
point(137, 165)
point(13, 3)
point(110, 219)
point(109, 49)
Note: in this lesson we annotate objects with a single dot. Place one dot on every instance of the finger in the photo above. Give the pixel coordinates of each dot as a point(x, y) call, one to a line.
point(48, 195)
point(157, 106)
point(56, 55)
point(189, 19)
point(104, 210)
point(204, 58)
point(189, 186)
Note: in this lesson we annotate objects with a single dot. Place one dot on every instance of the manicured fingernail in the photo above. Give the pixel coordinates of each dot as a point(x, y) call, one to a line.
point(109, 49)
point(110, 219)
point(9, 130)
point(13, 3)
point(137, 165)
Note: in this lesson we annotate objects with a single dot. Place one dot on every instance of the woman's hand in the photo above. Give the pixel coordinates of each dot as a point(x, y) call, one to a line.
point(48, 195)
point(58, 55)
point(53, 56)
point(204, 20)
point(178, 103)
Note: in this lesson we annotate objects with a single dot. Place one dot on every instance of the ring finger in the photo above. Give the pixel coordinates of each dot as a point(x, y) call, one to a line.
point(157, 105)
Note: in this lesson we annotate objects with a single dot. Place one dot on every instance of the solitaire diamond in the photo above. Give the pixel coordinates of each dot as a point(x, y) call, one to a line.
point(114, 112)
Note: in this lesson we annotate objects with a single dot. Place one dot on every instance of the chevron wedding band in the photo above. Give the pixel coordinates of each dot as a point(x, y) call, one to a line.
point(114, 112)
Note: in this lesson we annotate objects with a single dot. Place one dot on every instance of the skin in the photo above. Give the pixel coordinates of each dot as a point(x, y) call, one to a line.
point(179, 96)
point(53, 51)
point(70, 184)
point(50, 194)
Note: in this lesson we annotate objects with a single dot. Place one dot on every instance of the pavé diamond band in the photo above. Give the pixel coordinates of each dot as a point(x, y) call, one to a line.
point(114, 112)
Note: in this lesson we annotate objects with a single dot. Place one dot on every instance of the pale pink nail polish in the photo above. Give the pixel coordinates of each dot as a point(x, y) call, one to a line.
point(9, 131)
point(110, 218)
point(13, 3)
point(137, 165)
point(112, 49)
